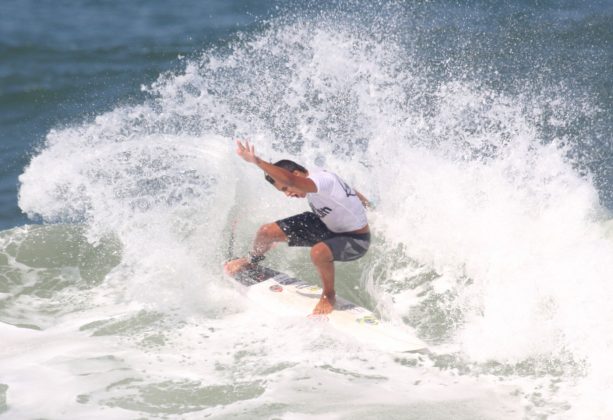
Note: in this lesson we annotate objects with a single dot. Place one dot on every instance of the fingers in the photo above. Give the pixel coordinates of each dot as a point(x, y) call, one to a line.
point(242, 148)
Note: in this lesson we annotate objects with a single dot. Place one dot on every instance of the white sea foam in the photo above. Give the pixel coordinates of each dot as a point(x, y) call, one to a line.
point(467, 193)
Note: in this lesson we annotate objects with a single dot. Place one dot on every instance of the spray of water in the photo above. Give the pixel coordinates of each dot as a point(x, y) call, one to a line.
point(483, 228)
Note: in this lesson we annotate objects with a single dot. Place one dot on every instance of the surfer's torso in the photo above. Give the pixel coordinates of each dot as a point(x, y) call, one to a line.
point(336, 203)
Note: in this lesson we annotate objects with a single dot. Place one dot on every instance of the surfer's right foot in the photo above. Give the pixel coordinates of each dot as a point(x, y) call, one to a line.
point(325, 305)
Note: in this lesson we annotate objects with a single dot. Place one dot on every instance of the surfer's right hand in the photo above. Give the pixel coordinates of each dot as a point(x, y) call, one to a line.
point(246, 151)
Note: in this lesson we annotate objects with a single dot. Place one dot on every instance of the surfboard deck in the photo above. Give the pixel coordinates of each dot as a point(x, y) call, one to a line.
point(284, 295)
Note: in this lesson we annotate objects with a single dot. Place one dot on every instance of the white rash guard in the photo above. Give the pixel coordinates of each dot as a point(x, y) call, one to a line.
point(336, 203)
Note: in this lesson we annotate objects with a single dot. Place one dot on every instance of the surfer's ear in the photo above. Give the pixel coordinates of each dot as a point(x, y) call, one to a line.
point(269, 179)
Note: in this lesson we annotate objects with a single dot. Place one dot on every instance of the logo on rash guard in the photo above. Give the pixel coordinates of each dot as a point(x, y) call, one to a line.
point(322, 212)
point(348, 190)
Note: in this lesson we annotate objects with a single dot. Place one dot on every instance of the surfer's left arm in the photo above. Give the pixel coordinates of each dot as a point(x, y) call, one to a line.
point(365, 202)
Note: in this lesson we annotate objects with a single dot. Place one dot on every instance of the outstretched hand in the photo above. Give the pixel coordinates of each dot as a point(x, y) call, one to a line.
point(246, 151)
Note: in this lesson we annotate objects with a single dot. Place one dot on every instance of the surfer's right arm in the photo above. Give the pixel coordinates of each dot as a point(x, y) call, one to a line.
point(280, 175)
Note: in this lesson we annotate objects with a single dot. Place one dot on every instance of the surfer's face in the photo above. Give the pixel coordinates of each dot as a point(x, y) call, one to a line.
point(290, 191)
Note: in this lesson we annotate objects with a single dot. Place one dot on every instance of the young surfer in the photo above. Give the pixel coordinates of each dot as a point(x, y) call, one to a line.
point(336, 229)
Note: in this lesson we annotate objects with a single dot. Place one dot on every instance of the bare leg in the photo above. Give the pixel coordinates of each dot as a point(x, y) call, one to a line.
point(322, 257)
point(266, 236)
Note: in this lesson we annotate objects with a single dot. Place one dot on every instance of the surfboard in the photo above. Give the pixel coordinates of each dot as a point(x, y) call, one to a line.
point(284, 295)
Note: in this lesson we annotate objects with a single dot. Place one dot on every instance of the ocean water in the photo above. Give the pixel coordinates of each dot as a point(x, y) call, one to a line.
point(481, 130)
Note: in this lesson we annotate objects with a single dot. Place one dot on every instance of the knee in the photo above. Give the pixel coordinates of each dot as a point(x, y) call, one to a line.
point(321, 253)
point(270, 231)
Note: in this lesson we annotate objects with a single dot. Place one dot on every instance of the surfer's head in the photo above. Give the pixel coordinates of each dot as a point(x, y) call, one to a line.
point(294, 168)
point(288, 165)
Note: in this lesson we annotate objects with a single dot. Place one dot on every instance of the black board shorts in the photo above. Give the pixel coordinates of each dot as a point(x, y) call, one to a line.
point(307, 229)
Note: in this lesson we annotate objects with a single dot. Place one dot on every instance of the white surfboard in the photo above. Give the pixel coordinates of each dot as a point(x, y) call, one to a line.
point(284, 295)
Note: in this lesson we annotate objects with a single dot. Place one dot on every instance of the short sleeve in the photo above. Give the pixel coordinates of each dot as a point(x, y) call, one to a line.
point(323, 180)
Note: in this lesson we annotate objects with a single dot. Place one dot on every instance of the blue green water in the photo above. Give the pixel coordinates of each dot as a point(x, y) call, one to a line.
point(481, 129)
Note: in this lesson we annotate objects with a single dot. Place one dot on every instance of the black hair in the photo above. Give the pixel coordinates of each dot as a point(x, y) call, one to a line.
point(288, 165)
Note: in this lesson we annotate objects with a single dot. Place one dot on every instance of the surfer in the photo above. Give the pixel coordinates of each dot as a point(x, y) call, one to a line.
point(336, 229)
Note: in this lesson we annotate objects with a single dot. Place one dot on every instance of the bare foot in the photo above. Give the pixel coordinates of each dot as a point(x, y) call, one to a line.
point(324, 306)
point(234, 267)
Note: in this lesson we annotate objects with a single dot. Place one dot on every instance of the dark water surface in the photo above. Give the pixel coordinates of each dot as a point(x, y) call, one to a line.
point(63, 62)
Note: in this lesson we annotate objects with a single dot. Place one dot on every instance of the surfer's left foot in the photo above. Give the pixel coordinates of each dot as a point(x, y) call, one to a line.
point(325, 305)
point(234, 267)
